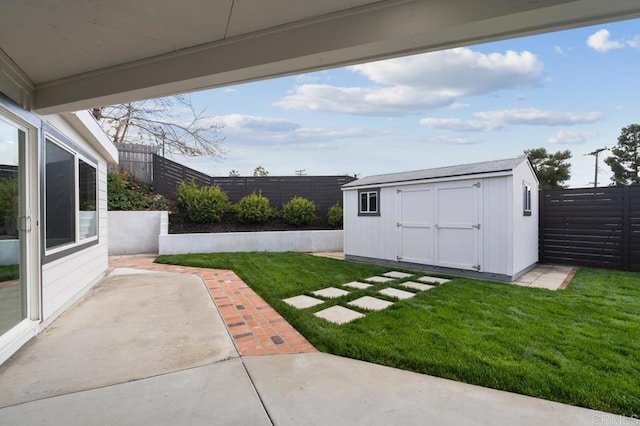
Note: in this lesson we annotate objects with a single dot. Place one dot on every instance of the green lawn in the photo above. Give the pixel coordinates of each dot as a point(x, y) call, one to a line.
point(8, 272)
point(579, 346)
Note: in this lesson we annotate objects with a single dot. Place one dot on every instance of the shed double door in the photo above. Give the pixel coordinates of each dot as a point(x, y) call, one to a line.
point(440, 225)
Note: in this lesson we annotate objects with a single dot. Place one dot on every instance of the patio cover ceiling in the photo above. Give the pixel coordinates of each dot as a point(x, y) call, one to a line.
point(62, 55)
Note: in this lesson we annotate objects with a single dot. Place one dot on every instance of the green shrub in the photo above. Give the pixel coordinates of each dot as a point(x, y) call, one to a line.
point(9, 205)
point(335, 215)
point(124, 192)
point(254, 208)
point(202, 204)
point(299, 211)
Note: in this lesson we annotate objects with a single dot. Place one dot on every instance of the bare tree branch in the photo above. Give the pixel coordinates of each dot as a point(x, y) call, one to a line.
point(171, 124)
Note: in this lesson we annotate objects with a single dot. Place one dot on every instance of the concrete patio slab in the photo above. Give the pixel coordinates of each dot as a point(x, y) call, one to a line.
point(396, 274)
point(550, 277)
point(367, 394)
point(436, 280)
point(338, 315)
point(92, 344)
point(330, 293)
point(416, 286)
point(302, 301)
point(370, 303)
point(397, 294)
point(219, 393)
point(338, 255)
point(357, 285)
point(379, 279)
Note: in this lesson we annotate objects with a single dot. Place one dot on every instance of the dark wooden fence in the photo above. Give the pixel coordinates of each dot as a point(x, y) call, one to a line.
point(8, 172)
point(136, 159)
point(591, 227)
point(323, 190)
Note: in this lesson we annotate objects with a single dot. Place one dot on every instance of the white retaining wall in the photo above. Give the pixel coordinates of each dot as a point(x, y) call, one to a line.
point(135, 232)
point(272, 241)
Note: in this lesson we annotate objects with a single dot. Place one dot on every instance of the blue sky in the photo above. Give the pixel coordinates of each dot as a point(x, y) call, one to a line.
point(566, 90)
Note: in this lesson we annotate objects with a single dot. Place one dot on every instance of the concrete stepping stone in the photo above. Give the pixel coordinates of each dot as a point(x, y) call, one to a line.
point(379, 279)
point(397, 274)
point(357, 285)
point(338, 314)
point(330, 292)
point(395, 293)
point(370, 303)
point(416, 286)
point(302, 301)
point(428, 279)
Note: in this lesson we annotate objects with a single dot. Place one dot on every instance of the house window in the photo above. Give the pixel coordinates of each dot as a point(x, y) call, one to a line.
point(70, 198)
point(87, 199)
point(369, 202)
point(60, 196)
point(526, 195)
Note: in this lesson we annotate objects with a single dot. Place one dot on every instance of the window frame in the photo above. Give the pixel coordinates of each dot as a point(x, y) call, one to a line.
point(369, 192)
point(526, 199)
point(50, 134)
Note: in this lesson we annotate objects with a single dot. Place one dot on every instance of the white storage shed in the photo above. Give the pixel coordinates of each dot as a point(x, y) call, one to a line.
point(478, 220)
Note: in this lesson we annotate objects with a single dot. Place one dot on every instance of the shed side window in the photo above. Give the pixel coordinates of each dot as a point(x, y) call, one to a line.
point(369, 202)
point(526, 195)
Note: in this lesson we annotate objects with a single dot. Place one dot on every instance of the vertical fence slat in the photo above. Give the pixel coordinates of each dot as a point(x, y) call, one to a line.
point(626, 226)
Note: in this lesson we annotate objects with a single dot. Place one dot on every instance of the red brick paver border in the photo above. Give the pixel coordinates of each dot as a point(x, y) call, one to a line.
point(256, 328)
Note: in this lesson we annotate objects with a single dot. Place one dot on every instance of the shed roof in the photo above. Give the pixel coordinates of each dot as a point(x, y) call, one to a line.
point(440, 172)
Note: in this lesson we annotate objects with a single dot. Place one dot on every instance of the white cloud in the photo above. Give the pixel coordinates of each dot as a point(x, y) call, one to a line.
point(441, 140)
point(537, 117)
point(363, 100)
point(257, 130)
point(421, 82)
point(558, 50)
point(458, 105)
point(496, 120)
point(600, 42)
point(459, 125)
point(254, 123)
point(570, 137)
point(634, 42)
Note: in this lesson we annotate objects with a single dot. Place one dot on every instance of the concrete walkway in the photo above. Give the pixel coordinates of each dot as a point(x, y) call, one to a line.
point(152, 348)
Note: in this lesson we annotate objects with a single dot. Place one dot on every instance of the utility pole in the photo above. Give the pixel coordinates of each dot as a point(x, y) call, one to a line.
point(595, 154)
point(301, 172)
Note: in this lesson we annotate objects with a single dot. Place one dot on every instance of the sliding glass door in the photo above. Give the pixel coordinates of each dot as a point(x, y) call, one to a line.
point(13, 283)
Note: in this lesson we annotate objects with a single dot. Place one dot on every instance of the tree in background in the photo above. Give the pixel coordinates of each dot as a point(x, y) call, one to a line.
point(260, 171)
point(172, 124)
point(625, 161)
point(234, 173)
point(552, 169)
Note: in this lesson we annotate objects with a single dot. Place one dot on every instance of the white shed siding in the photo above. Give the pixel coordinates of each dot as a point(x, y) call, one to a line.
point(497, 221)
point(66, 279)
point(525, 228)
point(371, 236)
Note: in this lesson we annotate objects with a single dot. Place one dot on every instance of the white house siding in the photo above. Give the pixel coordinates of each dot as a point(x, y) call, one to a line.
point(525, 228)
point(371, 236)
point(497, 245)
point(67, 279)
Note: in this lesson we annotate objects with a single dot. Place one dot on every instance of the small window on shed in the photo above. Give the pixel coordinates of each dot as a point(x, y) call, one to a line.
point(369, 202)
point(526, 195)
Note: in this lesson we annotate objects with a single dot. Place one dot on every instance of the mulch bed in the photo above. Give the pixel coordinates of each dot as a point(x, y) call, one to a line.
point(179, 223)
